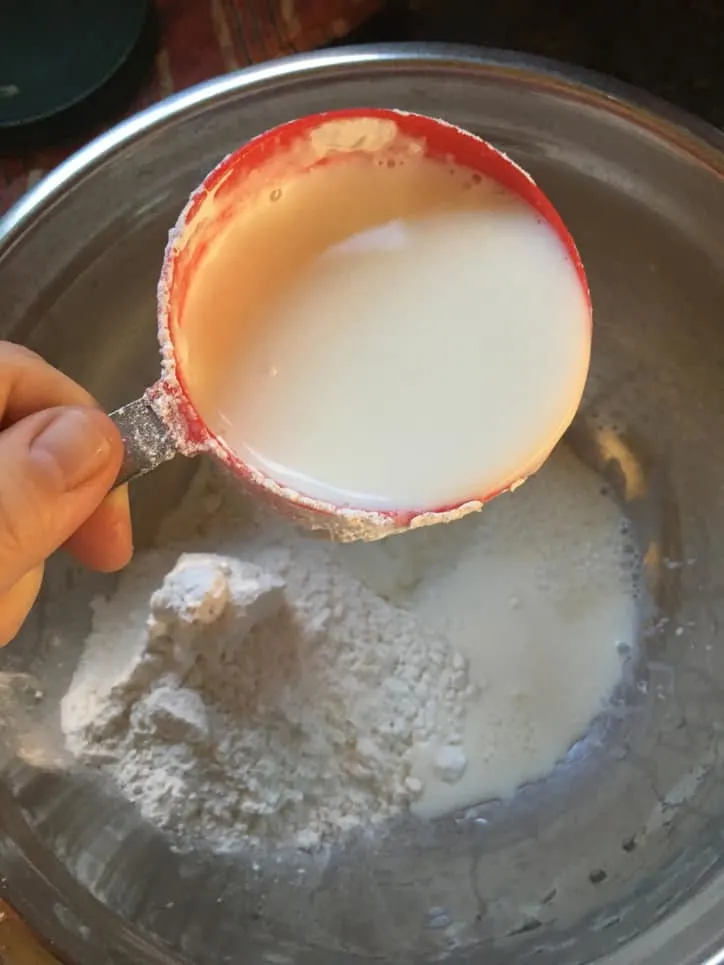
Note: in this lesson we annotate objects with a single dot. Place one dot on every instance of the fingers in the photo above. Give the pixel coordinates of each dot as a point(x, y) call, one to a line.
point(16, 602)
point(57, 467)
point(104, 541)
point(29, 385)
point(59, 456)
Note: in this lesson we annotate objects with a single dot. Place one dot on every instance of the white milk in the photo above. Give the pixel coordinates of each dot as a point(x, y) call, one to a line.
point(539, 593)
point(388, 337)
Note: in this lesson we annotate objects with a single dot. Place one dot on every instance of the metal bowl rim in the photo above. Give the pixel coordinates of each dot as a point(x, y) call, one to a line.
point(705, 944)
point(676, 125)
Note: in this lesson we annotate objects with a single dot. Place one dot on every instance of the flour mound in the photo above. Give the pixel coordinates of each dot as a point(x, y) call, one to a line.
point(270, 701)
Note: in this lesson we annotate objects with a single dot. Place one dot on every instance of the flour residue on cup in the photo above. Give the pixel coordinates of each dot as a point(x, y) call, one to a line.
point(386, 331)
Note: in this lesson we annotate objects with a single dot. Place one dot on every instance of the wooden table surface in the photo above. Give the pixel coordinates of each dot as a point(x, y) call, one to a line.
point(18, 945)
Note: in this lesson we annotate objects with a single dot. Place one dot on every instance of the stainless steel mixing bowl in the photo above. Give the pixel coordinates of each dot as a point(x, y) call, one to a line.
point(619, 851)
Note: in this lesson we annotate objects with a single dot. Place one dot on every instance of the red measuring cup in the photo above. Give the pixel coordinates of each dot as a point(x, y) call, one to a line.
point(166, 421)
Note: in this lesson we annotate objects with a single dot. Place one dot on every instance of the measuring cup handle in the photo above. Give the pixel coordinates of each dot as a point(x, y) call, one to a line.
point(146, 440)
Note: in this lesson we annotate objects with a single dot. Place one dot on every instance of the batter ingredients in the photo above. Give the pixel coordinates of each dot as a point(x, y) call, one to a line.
point(539, 593)
point(387, 336)
point(274, 701)
point(268, 689)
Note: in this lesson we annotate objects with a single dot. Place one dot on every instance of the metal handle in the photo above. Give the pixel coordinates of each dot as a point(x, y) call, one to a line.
point(146, 440)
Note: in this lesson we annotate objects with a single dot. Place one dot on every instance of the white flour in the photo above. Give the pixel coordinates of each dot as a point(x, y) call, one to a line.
point(274, 690)
point(269, 697)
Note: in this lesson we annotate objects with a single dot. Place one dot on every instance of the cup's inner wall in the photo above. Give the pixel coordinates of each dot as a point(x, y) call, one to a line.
point(263, 217)
point(631, 825)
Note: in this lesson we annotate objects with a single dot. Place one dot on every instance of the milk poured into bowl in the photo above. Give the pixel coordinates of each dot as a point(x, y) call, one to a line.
point(539, 593)
point(386, 334)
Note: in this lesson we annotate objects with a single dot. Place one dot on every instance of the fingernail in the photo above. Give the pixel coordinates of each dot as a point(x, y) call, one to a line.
point(78, 441)
point(120, 507)
point(118, 501)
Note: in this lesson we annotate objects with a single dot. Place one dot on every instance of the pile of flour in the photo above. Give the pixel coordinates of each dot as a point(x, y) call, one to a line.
point(256, 692)
point(249, 685)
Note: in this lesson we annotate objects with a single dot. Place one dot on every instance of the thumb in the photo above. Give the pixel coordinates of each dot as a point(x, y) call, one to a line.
point(56, 467)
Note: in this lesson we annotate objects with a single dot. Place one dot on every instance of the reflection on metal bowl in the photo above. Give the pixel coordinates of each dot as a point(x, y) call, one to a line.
point(618, 852)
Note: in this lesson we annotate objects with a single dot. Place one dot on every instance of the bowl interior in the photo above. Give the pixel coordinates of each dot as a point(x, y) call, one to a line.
point(629, 827)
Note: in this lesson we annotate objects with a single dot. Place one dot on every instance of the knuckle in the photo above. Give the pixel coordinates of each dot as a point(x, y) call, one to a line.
point(15, 362)
point(23, 520)
point(29, 383)
point(13, 529)
point(11, 353)
point(16, 603)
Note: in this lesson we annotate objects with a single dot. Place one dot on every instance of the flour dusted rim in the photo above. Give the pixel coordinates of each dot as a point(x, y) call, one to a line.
point(292, 148)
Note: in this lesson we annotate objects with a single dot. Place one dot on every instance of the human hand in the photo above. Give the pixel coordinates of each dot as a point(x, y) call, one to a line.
point(59, 457)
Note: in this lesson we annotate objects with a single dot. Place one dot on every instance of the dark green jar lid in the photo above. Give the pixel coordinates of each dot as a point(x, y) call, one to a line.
point(64, 64)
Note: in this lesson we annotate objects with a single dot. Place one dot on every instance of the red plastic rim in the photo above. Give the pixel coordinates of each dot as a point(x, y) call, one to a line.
point(227, 182)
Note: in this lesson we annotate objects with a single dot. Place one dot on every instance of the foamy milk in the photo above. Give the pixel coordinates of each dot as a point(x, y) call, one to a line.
point(381, 337)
